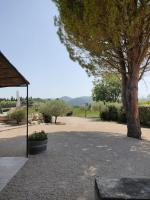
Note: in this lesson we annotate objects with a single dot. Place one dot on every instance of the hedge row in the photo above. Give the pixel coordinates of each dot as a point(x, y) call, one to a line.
point(115, 112)
point(145, 115)
point(7, 104)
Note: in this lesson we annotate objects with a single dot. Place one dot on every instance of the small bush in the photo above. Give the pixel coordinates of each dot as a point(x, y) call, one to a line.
point(47, 118)
point(105, 114)
point(144, 112)
point(5, 109)
point(122, 116)
point(111, 112)
point(54, 108)
point(70, 113)
point(19, 115)
point(115, 112)
point(46, 112)
point(36, 136)
point(144, 103)
point(7, 103)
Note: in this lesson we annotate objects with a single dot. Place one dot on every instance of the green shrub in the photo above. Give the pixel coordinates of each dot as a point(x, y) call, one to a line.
point(36, 136)
point(115, 112)
point(144, 103)
point(7, 103)
point(111, 112)
point(46, 112)
point(5, 109)
point(144, 112)
point(77, 112)
point(98, 107)
point(122, 116)
point(19, 115)
point(70, 113)
point(54, 108)
point(47, 118)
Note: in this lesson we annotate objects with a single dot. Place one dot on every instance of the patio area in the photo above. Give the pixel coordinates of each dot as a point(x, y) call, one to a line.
point(9, 166)
point(73, 159)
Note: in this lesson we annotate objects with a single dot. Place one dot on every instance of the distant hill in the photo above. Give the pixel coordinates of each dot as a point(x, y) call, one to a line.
point(66, 98)
point(77, 101)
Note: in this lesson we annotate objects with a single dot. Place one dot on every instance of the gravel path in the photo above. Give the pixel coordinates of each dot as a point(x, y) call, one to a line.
point(66, 171)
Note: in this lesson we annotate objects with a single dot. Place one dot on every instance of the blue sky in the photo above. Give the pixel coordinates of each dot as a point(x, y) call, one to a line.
point(28, 39)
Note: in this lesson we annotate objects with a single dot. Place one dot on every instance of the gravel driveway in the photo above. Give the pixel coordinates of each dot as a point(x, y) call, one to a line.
point(68, 168)
point(66, 171)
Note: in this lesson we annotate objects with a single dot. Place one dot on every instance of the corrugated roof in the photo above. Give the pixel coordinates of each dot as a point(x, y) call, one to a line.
point(9, 75)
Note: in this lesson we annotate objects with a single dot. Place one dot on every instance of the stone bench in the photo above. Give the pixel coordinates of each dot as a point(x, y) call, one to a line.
point(122, 189)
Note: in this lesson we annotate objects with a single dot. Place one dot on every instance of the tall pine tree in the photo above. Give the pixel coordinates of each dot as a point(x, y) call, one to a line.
point(104, 35)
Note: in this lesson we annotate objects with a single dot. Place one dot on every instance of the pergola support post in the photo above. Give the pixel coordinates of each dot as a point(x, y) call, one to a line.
point(27, 146)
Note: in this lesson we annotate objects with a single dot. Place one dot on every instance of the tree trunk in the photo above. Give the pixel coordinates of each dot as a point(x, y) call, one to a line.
point(85, 113)
point(124, 89)
point(55, 119)
point(130, 102)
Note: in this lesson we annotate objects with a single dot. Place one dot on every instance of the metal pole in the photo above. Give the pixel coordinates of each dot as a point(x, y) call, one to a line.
point(27, 150)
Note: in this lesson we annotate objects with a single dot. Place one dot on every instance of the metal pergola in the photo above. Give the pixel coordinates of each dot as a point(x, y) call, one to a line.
point(11, 77)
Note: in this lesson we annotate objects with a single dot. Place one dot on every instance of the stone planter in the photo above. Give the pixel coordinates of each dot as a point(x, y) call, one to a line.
point(37, 146)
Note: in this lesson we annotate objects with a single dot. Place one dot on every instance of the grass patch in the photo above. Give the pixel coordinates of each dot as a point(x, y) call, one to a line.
point(77, 112)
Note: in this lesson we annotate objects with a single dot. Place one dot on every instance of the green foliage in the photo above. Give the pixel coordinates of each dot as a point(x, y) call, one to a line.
point(111, 112)
point(54, 108)
point(98, 107)
point(144, 102)
point(85, 108)
point(47, 118)
point(5, 109)
point(105, 114)
point(109, 36)
point(145, 115)
point(45, 109)
point(94, 38)
point(108, 88)
point(115, 112)
point(38, 136)
point(58, 108)
point(122, 116)
point(78, 112)
point(19, 115)
point(7, 103)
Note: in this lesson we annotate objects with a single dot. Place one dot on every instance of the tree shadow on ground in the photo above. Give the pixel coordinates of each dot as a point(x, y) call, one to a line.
point(68, 168)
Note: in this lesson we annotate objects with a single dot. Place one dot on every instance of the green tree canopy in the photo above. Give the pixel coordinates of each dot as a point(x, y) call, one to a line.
point(55, 108)
point(104, 35)
point(108, 88)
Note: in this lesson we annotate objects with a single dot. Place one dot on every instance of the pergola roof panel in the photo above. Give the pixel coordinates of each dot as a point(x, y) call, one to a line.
point(9, 75)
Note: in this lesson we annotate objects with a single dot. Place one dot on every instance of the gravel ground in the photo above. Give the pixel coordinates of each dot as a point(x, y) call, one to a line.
point(66, 171)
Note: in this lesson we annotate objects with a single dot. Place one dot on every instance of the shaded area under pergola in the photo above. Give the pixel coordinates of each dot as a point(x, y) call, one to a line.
point(11, 77)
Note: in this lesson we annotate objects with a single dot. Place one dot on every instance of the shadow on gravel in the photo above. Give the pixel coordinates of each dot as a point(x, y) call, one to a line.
point(72, 161)
point(15, 146)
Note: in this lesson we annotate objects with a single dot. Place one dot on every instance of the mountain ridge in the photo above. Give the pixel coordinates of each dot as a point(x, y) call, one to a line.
point(77, 101)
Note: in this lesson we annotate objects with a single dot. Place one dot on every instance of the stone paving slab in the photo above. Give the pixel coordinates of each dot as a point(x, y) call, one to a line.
point(122, 189)
point(9, 166)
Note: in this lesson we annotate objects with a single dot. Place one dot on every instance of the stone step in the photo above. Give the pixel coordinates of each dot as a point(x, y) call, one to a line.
point(122, 189)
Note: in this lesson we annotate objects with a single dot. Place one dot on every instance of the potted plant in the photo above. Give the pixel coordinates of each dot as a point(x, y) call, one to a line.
point(37, 142)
